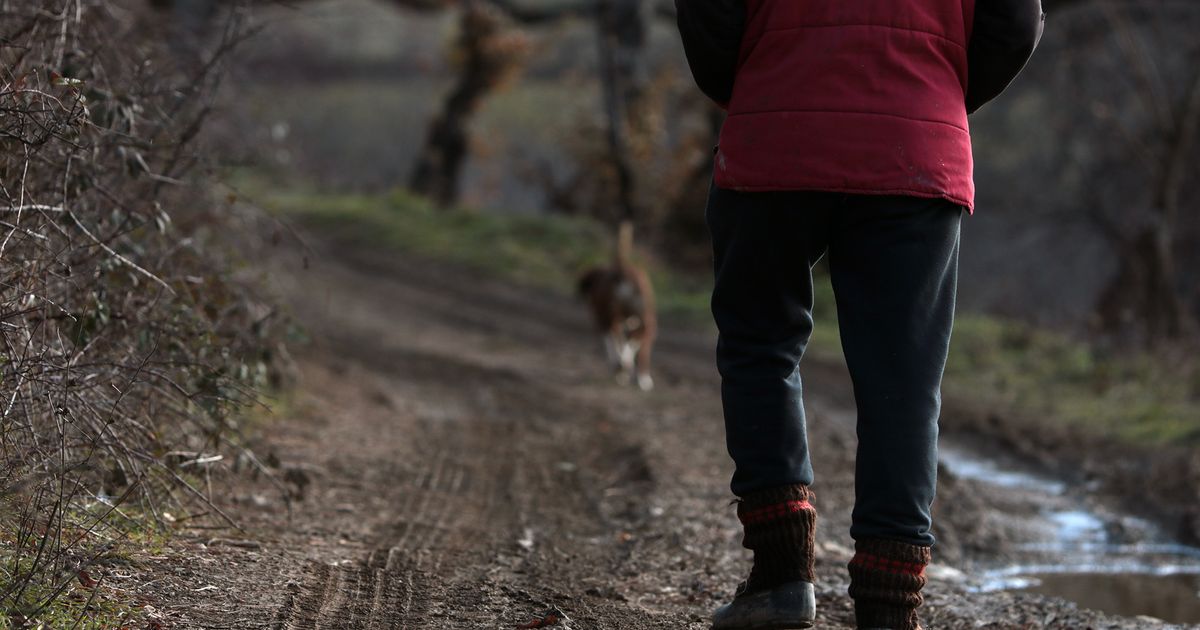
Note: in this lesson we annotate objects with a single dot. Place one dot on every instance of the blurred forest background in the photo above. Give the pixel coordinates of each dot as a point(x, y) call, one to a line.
point(512, 135)
point(515, 134)
point(1084, 167)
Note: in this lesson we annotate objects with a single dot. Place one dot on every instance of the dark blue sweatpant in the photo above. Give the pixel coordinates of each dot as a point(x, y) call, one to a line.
point(894, 266)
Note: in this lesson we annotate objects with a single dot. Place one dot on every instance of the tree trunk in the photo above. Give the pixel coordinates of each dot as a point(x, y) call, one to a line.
point(621, 34)
point(1146, 288)
point(1143, 295)
point(487, 59)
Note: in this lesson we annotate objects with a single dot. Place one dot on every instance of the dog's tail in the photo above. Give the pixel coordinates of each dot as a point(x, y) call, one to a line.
point(625, 243)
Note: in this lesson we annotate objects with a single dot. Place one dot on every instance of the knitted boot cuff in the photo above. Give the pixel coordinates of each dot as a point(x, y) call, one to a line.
point(886, 578)
point(780, 528)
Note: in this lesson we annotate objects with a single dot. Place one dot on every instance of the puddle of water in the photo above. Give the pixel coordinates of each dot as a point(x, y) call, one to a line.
point(1025, 575)
point(1163, 554)
point(1078, 526)
point(968, 466)
point(1088, 557)
point(1172, 598)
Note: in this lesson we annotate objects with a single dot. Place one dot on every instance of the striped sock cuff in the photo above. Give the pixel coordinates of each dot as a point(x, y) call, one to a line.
point(873, 562)
point(779, 526)
point(774, 503)
point(886, 578)
point(773, 512)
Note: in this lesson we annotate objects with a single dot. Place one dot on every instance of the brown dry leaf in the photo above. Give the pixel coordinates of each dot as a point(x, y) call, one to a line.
point(86, 580)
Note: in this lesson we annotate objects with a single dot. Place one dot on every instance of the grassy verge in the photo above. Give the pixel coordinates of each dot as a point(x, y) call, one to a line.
point(544, 252)
point(55, 577)
point(1003, 364)
point(1135, 397)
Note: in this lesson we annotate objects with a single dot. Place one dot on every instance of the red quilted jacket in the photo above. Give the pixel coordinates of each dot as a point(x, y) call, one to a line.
point(861, 96)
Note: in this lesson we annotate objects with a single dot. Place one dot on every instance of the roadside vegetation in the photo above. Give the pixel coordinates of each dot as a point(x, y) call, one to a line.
point(128, 346)
point(1004, 365)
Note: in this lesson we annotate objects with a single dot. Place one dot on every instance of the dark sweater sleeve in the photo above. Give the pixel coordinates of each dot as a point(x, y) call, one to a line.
point(712, 35)
point(1004, 36)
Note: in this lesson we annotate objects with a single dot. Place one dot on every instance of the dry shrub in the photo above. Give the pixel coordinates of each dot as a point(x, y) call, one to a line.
point(125, 344)
point(669, 138)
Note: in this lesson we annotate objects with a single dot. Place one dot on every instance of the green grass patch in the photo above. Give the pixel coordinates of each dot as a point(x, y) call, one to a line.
point(547, 252)
point(1002, 364)
point(76, 606)
point(1051, 377)
point(61, 584)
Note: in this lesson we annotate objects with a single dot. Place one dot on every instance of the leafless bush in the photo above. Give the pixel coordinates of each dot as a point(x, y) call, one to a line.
point(668, 143)
point(124, 343)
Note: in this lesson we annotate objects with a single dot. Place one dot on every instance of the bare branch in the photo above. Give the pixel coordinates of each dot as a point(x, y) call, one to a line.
point(1151, 89)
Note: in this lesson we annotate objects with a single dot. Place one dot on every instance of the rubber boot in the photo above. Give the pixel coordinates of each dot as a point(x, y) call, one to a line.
point(886, 578)
point(779, 526)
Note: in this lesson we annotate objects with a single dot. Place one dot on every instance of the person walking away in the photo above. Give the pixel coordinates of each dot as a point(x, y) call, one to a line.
point(846, 137)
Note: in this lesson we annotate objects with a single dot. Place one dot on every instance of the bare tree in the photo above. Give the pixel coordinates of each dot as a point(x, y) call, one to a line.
point(485, 43)
point(490, 53)
point(1155, 160)
point(621, 35)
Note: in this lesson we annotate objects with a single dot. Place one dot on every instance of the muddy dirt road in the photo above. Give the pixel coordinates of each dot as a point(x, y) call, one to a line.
point(462, 460)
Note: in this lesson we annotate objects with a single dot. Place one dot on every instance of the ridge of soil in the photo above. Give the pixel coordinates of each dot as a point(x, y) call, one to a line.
point(458, 457)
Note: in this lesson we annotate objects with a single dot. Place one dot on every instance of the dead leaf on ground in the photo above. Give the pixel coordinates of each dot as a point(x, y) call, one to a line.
point(552, 617)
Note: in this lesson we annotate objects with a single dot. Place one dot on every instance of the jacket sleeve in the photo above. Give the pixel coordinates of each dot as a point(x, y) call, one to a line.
point(1004, 36)
point(712, 35)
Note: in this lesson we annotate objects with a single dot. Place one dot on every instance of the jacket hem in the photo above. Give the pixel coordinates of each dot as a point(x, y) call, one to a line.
point(899, 192)
point(915, 31)
point(801, 110)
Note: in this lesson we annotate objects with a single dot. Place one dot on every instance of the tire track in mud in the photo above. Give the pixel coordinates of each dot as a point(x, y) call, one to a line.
point(361, 596)
point(463, 511)
point(491, 500)
point(390, 587)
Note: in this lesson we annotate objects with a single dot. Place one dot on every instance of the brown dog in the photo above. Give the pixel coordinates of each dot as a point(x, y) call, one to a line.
point(622, 303)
